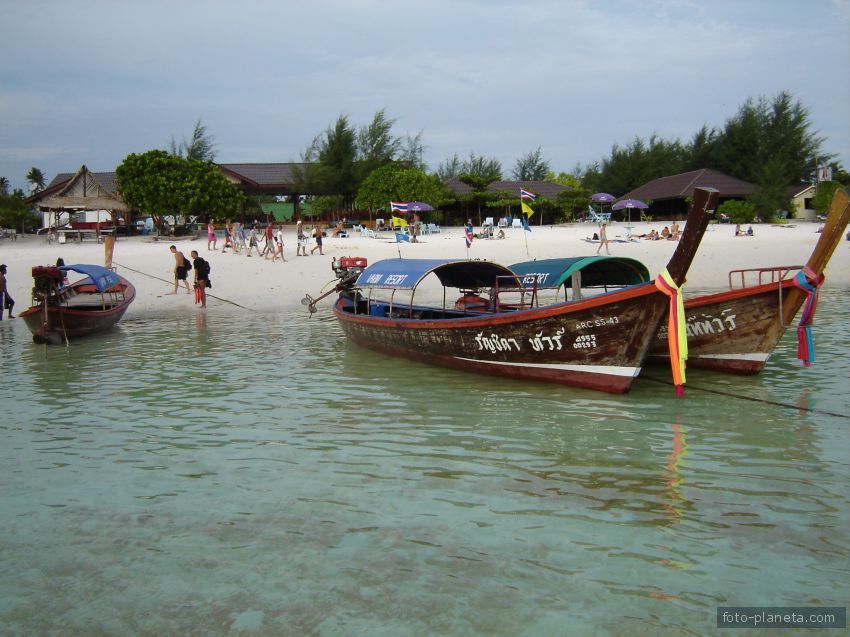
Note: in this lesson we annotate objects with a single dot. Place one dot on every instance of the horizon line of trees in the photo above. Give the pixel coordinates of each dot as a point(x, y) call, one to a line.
point(768, 142)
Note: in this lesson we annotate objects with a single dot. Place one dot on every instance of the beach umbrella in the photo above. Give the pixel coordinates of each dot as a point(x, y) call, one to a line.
point(629, 204)
point(418, 206)
point(603, 199)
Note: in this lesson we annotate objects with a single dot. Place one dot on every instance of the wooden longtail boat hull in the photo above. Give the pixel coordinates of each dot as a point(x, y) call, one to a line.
point(84, 315)
point(736, 331)
point(598, 343)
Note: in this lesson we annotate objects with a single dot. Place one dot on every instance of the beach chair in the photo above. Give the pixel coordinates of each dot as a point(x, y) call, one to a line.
point(503, 222)
point(516, 223)
point(433, 228)
point(366, 232)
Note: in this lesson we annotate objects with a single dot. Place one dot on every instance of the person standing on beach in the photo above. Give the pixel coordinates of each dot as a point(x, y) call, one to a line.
point(181, 270)
point(211, 238)
point(603, 239)
point(317, 232)
point(6, 301)
point(202, 278)
point(228, 236)
point(301, 238)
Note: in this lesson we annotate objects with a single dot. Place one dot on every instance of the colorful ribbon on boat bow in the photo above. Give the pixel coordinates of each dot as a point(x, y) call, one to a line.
point(677, 338)
point(810, 283)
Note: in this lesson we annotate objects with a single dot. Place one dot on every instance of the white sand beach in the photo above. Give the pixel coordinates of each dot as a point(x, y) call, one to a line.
point(258, 284)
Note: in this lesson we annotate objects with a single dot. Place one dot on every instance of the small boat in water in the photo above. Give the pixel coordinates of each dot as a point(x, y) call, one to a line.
point(597, 343)
point(736, 331)
point(90, 305)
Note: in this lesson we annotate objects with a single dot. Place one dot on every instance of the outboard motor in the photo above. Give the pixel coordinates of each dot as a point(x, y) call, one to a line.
point(346, 269)
point(47, 279)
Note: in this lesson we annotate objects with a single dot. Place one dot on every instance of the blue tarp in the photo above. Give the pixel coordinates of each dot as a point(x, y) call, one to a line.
point(596, 271)
point(103, 278)
point(405, 274)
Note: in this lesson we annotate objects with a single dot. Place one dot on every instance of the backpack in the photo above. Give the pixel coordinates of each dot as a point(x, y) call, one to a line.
point(187, 264)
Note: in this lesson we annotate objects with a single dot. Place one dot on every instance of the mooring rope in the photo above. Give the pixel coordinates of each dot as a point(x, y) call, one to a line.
point(812, 410)
point(151, 276)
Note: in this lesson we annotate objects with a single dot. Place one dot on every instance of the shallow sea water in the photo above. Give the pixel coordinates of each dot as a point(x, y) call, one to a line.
point(254, 474)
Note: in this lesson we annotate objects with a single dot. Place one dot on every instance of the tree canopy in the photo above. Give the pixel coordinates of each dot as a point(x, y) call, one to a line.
point(531, 166)
point(393, 182)
point(160, 183)
point(201, 147)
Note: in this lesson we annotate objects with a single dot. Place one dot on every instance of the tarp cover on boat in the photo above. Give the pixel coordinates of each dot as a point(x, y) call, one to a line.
point(595, 271)
point(103, 278)
point(405, 274)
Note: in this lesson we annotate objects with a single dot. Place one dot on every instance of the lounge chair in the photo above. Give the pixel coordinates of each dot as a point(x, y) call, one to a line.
point(366, 232)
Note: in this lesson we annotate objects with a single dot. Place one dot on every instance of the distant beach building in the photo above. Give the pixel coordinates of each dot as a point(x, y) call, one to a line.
point(668, 194)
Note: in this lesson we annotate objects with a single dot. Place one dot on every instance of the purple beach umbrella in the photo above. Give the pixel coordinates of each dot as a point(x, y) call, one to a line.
point(629, 204)
point(602, 197)
point(418, 206)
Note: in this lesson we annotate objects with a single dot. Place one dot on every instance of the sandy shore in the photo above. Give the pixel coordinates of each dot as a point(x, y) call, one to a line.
point(255, 283)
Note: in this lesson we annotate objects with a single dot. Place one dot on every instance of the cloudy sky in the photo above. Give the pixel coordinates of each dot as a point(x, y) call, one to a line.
point(88, 82)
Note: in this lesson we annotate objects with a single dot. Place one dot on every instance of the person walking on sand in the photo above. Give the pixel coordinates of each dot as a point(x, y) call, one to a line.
point(268, 246)
point(254, 242)
point(202, 278)
point(278, 247)
point(317, 232)
point(181, 270)
point(6, 301)
point(301, 238)
point(211, 238)
point(228, 236)
point(603, 239)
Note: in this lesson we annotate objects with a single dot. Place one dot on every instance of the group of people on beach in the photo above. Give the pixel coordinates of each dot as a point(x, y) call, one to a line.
point(238, 239)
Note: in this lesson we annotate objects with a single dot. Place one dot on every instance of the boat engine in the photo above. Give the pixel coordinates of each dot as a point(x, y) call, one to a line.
point(47, 280)
point(346, 269)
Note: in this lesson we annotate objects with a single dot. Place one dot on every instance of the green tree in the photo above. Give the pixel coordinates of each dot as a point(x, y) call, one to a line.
point(4, 186)
point(531, 166)
point(160, 183)
point(393, 182)
point(36, 179)
point(14, 213)
point(449, 168)
point(633, 165)
point(770, 195)
point(764, 130)
point(201, 147)
point(738, 211)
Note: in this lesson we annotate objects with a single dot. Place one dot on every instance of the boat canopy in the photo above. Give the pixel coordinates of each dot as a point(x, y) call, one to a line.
point(596, 271)
point(405, 274)
point(103, 278)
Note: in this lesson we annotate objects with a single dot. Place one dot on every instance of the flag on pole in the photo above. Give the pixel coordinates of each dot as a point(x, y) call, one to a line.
point(398, 222)
point(400, 236)
point(526, 194)
point(398, 206)
point(527, 209)
point(525, 225)
point(469, 236)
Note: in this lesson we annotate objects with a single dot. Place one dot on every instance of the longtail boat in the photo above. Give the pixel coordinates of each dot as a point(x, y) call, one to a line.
point(737, 330)
point(597, 343)
point(60, 311)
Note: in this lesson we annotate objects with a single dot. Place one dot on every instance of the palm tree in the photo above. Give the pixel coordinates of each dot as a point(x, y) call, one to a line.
point(36, 179)
point(4, 186)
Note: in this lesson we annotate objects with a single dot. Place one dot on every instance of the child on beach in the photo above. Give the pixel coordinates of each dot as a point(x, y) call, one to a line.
point(6, 301)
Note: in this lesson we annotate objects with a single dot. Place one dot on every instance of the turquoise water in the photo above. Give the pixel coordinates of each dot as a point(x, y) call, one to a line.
point(254, 474)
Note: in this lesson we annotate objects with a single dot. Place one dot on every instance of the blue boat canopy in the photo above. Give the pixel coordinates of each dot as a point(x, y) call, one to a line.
point(405, 274)
point(103, 278)
point(596, 271)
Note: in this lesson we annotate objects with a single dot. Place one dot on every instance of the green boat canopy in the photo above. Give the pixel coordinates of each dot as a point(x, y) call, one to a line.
point(596, 271)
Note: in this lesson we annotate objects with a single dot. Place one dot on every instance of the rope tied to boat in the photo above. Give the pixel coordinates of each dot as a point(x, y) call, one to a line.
point(810, 282)
point(677, 338)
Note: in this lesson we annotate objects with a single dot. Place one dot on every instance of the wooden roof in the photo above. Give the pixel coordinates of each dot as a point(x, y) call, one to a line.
point(277, 178)
point(84, 190)
point(683, 185)
point(544, 189)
